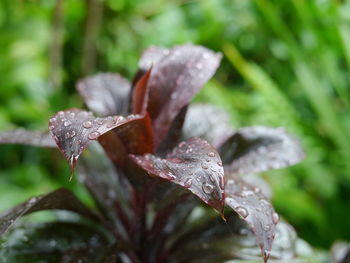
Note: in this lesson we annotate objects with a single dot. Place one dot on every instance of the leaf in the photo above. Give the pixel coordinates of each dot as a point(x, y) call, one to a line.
point(105, 94)
point(151, 56)
point(33, 138)
point(254, 208)
point(177, 75)
point(207, 122)
point(55, 242)
point(140, 94)
point(61, 199)
point(193, 164)
point(340, 252)
point(73, 130)
point(257, 149)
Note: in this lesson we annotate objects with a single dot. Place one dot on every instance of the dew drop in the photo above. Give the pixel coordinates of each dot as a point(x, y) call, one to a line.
point(256, 189)
point(51, 127)
point(204, 166)
point(67, 123)
point(212, 179)
point(188, 182)
point(275, 218)
point(208, 188)
point(93, 135)
point(70, 134)
point(87, 124)
point(219, 163)
point(267, 227)
point(242, 211)
point(211, 154)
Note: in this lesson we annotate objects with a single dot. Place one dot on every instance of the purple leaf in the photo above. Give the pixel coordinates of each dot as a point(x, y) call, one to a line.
point(257, 149)
point(151, 56)
point(177, 75)
point(254, 208)
point(74, 129)
point(61, 199)
point(207, 122)
point(105, 94)
point(22, 136)
point(193, 164)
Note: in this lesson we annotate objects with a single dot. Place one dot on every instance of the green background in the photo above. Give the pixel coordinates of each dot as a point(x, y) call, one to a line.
point(286, 63)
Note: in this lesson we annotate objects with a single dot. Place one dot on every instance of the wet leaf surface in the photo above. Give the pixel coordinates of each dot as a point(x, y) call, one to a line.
point(73, 130)
point(22, 136)
point(61, 199)
point(257, 149)
point(55, 242)
point(106, 94)
point(248, 202)
point(207, 122)
point(177, 75)
point(193, 164)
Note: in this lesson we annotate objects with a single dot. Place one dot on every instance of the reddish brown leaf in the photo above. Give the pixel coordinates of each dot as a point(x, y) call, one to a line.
point(105, 94)
point(177, 75)
point(74, 129)
point(140, 94)
point(257, 149)
point(193, 164)
point(22, 136)
point(61, 199)
point(254, 208)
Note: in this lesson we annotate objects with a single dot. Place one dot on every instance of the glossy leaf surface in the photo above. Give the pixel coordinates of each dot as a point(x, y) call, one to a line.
point(22, 136)
point(193, 164)
point(257, 149)
point(106, 94)
point(73, 130)
point(207, 122)
point(254, 208)
point(61, 199)
point(177, 75)
point(55, 242)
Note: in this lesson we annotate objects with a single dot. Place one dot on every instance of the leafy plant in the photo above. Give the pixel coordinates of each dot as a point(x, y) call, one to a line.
point(160, 159)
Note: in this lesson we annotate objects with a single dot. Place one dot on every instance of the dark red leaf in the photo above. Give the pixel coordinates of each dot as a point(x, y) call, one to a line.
point(33, 138)
point(61, 199)
point(257, 149)
point(193, 164)
point(105, 94)
point(207, 122)
point(140, 94)
point(74, 129)
point(254, 208)
point(177, 75)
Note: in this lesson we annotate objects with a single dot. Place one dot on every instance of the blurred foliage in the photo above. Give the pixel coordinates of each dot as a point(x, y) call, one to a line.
point(286, 64)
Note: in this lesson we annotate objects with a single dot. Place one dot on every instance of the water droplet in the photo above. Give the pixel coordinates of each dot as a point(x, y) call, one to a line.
point(242, 211)
point(67, 123)
point(211, 154)
point(93, 135)
point(188, 182)
point(171, 176)
point(256, 189)
point(208, 188)
point(204, 166)
point(70, 134)
point(87, 124)
point(267, 227)
point(51, 127)
point(212, 179)
point(219, 163)
point(275, 218)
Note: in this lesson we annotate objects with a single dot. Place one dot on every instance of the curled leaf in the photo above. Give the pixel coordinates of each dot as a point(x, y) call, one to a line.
point(194, 164)
point(61, 199)
point(105, 94)
point(140, 94)
point(177, 76)
point(22, 136)
point(257, 149)
point(254, 208)
point(74, 129)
